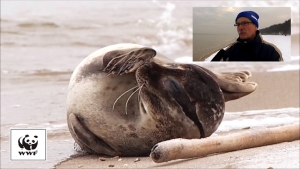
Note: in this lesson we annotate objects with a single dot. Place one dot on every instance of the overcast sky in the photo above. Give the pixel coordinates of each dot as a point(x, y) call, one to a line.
point(220, 20)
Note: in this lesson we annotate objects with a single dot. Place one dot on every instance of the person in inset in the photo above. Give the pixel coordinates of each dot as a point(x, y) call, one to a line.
point(250, 45)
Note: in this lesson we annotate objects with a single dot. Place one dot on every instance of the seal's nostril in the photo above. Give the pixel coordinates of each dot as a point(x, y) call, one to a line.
point(155, 153)
point(154, 147)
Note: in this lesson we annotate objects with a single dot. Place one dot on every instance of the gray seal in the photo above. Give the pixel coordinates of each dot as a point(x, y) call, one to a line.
point(124, 99)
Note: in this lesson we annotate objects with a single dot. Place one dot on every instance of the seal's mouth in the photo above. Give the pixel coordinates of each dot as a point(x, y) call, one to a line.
point(176, 90)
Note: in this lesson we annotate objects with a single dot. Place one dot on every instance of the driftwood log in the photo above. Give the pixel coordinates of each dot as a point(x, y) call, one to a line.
point(191, 148)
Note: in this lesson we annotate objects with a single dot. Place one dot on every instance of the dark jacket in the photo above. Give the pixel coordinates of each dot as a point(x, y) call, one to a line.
point(255, 50)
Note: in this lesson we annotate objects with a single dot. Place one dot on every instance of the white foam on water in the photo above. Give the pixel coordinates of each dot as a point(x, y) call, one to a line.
point(21, 124)
point(172, 33)
point(258, 118)
point(166, 17)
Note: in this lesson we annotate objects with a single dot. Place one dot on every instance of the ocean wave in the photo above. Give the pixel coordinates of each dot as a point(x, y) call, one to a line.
point(83, 44)
point(38, 25)
point(8, 44)
point(41, 72)
point(46, 72)
point(11, 32)
point(49, 43)
point(79, 27)
point(42, 23)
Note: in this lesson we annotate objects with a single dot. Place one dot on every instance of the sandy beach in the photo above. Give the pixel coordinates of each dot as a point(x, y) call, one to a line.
point(283, 155)
point(269, 95)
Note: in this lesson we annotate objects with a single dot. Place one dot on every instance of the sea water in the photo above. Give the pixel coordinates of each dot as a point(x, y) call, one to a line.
point(205, 44)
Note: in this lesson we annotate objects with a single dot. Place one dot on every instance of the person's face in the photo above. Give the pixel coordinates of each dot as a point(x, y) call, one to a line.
point(247, 31)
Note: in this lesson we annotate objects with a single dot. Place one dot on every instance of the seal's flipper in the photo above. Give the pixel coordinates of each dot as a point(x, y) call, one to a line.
point(234, 85)
point(87, 140)
point(120, 62)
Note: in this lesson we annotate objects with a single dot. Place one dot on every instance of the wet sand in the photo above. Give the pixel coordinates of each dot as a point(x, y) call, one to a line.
point(275, 90)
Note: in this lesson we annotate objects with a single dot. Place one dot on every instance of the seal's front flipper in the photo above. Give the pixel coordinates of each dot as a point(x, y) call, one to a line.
point(120, 62)
point(87, 140)
point(235, 85)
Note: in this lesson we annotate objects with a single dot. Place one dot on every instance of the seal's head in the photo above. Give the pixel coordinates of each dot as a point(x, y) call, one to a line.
point(181, 91)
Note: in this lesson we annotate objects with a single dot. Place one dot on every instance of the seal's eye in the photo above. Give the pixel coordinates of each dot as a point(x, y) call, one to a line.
point(172, 85)
point(177, 91)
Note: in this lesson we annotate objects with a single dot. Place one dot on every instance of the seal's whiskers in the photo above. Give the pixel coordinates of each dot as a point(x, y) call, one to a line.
point(123, 95)
point(140, 92)
point(129, 98)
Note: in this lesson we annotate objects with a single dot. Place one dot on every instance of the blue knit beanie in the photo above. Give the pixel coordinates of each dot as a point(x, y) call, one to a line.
point(250, 15)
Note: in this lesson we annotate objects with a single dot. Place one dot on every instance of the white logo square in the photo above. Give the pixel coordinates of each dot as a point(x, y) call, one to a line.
point(28, 144)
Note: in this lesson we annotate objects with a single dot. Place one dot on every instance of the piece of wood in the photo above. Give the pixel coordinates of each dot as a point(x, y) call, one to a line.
point(191, 148)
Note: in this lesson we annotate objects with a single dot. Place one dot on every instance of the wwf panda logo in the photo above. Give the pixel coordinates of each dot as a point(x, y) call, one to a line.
point(27, 142)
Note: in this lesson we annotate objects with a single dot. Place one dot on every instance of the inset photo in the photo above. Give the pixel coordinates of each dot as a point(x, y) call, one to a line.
point(241, 34)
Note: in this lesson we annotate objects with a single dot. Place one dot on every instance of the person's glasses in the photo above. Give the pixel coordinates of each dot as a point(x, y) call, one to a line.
point(242, 24)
